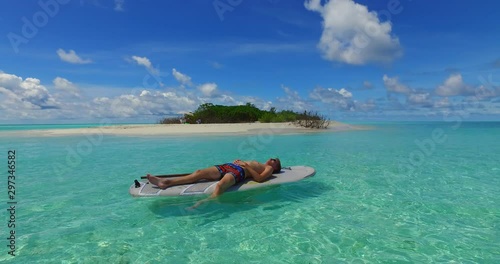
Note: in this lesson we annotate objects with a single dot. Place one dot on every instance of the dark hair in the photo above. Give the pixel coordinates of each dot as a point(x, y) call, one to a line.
point(278, 166)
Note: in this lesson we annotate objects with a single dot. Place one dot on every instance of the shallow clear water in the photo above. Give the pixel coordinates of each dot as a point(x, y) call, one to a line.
point(18, 127)
point(415, 192)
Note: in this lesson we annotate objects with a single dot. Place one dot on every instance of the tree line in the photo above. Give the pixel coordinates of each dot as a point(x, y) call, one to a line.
point(209, 113)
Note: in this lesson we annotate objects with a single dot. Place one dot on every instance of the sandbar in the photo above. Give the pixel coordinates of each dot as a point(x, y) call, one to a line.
point(187, 129)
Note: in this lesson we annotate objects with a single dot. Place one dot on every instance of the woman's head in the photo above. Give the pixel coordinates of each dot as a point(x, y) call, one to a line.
point(275, 163)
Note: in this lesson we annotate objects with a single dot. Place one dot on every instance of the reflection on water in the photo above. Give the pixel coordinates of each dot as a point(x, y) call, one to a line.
point(267, 198)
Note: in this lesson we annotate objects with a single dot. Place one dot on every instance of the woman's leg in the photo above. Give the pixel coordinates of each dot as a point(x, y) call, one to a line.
point(210, 173)
point(224, 183)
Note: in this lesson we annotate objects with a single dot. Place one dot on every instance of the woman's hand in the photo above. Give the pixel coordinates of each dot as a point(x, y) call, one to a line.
point(240, 163)
point(245, 167)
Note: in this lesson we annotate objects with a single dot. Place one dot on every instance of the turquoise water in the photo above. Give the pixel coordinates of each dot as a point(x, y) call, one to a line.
point(18, 127)
point(400, 193)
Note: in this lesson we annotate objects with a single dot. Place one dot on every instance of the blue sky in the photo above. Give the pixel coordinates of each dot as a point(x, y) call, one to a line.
point(136, 61)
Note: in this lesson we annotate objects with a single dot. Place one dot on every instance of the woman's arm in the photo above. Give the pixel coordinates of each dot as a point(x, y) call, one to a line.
point(258, 177)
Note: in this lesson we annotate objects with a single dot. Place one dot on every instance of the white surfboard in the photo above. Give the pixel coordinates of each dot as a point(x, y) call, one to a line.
point(287, 174)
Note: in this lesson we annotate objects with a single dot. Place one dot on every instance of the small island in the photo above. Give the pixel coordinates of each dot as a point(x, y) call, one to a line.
point(210, 119)
point(220, 114)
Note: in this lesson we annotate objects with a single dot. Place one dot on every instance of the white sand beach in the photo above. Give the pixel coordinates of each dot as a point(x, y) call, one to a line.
point(189, 129)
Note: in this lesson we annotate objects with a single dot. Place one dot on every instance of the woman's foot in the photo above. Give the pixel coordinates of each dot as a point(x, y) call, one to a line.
point(161, 183)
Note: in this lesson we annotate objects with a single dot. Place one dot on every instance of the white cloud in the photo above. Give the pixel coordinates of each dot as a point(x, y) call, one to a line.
point(443, 103)
point(354, 35)
point(258, 102)
point(367, 85)
point(484, 92)
point(25, 94)
point(338, 98)
point(344, 93)
point(420, 98)
point(454, 86)
point(216, 65)
point(119, 5)
point(291, 94)
point(28, 99)
point(182, 78)
point(227, 99)
point(292, 101)
point(393, 85)
point(71, 57)
point(208, 89)
point(369, 105)
point(66, 86)
point(143, 61)
point(149, 103)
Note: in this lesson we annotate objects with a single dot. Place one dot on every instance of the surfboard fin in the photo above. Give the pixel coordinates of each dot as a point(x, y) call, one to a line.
point(137, 184)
